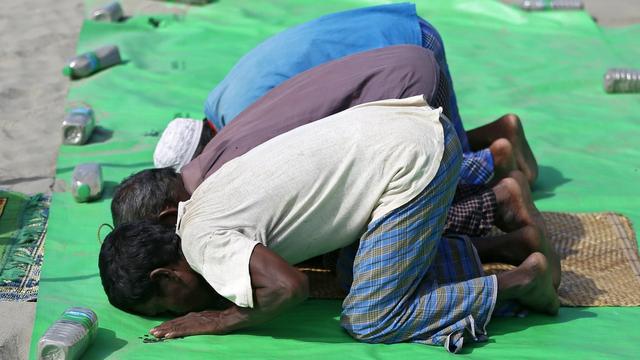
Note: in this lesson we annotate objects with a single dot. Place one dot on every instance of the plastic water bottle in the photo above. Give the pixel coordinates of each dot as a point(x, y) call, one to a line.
point(86, 183)
point(78, 126)
point(622, 81)
point(69, 336)
point(93, 61)
point(533, 5)
point(111, 12)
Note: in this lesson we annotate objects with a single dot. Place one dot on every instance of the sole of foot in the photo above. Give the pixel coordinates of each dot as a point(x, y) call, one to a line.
point(534, 240)
point(515, 205)
point(531, 284)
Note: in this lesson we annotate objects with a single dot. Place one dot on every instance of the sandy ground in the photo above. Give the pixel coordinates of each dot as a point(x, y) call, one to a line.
point(37, 38)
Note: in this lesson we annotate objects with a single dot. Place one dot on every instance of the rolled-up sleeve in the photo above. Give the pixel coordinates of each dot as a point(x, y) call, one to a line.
point(225, 265)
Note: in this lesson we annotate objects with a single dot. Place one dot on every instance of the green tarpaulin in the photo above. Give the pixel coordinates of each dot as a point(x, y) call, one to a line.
point(547, 67)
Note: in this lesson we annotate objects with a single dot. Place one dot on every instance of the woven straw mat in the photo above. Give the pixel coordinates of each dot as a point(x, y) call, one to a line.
point(598, 252)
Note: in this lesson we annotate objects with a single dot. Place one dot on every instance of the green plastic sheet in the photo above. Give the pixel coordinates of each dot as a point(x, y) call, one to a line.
point(547, 67)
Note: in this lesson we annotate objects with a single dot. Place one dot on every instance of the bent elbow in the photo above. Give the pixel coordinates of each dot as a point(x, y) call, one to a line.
point(293, 289)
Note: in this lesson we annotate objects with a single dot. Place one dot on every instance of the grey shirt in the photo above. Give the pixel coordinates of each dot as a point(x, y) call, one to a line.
point(394, 72)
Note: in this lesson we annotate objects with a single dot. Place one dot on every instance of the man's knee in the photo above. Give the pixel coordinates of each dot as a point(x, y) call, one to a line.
point(365, 328)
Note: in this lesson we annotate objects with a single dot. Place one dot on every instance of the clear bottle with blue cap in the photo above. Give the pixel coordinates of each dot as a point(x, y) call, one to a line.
point(92, 61)
point(70, 336)
point(78, 126)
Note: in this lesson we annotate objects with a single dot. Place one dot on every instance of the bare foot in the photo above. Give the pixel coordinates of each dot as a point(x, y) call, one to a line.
point(518, 215)
point(521, 150)
point(515, 206)
point(530, 284)
point(515, 247)
point(504, 160)
point(512, 248)
point(508, 144)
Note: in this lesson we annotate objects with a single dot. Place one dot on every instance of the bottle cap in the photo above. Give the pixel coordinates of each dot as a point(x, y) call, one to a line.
point(67, 71)
point(83, 192)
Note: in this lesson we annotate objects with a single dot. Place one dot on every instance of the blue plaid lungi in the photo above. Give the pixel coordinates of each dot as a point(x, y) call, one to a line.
point(404, 287)
point(456, 260)
point(477, 167)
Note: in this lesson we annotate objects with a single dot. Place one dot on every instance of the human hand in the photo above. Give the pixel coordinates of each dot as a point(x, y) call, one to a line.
point(195, 323)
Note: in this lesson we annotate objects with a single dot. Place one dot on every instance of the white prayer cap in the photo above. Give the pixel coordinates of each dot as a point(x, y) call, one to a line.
point(178, 143)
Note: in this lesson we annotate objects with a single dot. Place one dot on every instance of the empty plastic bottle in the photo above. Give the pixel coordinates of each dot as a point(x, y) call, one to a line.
point(86, 184)
point(111, 12)
point(622, 81)
point(69, 336)
point(78, 126)
point(88, 63)
point(533, 5)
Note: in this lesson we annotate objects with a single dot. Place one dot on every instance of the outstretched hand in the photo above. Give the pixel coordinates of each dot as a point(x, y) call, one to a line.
point(195, 323)
point(276, 287)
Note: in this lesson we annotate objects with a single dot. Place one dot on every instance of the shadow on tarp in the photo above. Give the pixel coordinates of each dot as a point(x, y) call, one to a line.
point(549, 179)
point(312, 321)
point(503, 326)
point(109, 343)
point(144, 164)
point(100, 134)
point(323, 326)
point(68, 278)
point(108, 189)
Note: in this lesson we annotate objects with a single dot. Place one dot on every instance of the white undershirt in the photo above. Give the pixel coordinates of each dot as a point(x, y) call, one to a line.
point(309, 191)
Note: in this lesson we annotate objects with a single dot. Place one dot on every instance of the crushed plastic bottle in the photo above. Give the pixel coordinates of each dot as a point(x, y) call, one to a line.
point(536, 5)
point(78, 126)
point(111, 12)
point(93, 61)
point(622, 81)
point(86, 184)
point(69, 336)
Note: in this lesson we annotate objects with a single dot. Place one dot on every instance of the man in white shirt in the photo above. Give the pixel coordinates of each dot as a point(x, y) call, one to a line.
point(293, 198)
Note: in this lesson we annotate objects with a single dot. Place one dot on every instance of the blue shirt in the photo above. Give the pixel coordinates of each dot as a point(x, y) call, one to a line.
point(305, 46)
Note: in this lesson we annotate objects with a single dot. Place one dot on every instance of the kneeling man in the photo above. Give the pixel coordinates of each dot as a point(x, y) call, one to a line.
point(382, 174)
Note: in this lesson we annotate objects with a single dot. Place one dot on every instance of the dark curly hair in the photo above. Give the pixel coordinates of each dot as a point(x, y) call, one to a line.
point(128, 256)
